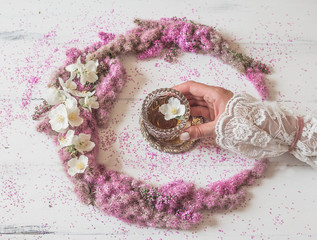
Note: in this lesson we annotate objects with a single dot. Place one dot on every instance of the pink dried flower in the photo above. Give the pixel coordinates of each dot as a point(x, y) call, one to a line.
point(255, 76)
point(153, 51)
point(106, 37)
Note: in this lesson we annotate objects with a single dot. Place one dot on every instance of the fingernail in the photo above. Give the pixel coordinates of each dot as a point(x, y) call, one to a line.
point(184, 136)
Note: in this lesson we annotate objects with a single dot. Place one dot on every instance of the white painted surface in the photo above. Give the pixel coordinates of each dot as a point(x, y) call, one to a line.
point(37, 201)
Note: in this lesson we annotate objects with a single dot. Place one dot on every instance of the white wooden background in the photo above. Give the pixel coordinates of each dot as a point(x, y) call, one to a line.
point(36, 198)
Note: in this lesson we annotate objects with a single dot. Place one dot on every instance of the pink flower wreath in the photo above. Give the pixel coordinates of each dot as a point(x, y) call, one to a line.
point(175, 205)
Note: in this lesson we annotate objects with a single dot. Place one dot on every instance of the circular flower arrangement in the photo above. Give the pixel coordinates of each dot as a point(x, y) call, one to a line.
point(80, 95)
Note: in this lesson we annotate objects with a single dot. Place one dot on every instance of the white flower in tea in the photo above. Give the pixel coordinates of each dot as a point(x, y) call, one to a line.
point(173, 109)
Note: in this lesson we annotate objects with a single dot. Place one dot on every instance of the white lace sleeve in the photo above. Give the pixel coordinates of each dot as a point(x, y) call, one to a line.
point(265, 129)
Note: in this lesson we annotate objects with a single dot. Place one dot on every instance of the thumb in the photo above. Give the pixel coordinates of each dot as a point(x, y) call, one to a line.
point(198, 131)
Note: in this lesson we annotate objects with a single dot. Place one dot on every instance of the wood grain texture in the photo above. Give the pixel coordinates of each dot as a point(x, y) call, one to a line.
point(37, 200)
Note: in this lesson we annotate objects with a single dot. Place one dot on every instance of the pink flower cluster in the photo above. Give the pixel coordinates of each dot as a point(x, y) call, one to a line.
point(153, 51)
point(177, 204)
point(255, 76)
point(152, 37)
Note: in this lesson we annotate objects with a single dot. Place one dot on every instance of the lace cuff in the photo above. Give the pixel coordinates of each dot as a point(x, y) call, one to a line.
point(264, 129)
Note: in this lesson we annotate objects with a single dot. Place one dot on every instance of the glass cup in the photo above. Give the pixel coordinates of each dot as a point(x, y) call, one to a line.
point(163, 130)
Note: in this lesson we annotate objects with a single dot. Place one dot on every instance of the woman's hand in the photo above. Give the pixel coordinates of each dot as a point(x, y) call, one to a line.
point(206, 101)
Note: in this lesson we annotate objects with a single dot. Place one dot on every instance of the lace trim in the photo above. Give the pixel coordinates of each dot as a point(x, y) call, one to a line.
point(227, 114)
point(240, 128)
point(264, 129)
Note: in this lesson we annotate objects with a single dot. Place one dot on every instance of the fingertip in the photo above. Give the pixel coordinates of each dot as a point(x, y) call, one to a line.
point(200, 131)
point(184, 136)
point(183, 87)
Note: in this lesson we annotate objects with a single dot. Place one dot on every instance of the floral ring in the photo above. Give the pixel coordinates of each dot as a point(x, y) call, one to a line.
point(79, 99)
